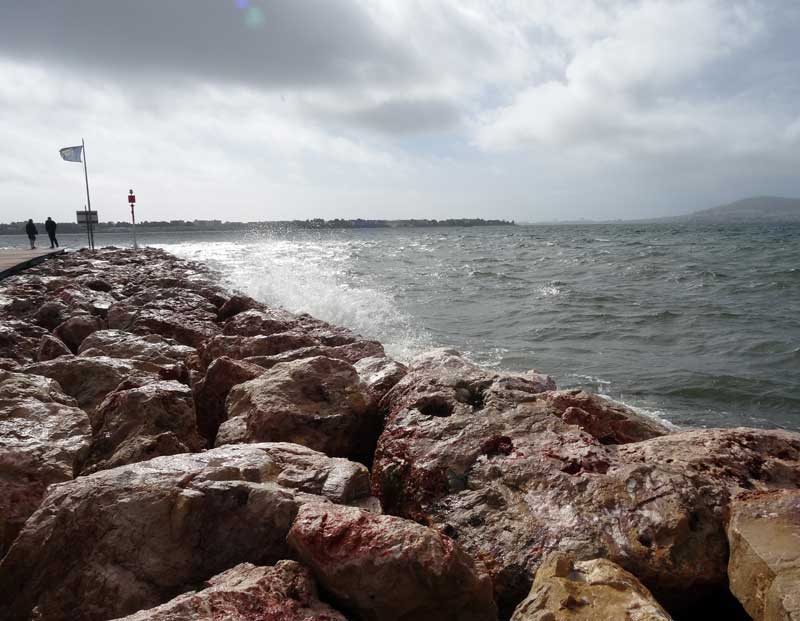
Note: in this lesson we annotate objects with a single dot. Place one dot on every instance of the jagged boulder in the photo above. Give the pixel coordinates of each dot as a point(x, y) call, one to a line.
point(51, 314)
point(19, 340)
point(181, 327)
point(609, 422)
point(497, 468)
point(212, 390)
point(284, 592)
point(239, 347)
point(587, 591)
point(141, 422)
point(133, 537)
point(44, 437)
point(120, 344)
point(317, 402)
point(75, 329)
point(380, 374)
point(51, 347)
point(764, 564)
point(352, 353)
point(89, 380)
point(388, 569)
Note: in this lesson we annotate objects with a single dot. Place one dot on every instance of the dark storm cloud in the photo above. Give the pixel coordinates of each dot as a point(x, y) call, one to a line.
point(268, 43)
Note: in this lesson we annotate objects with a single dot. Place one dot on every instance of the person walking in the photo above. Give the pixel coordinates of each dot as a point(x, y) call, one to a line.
point(32, 232)
point(50, 226)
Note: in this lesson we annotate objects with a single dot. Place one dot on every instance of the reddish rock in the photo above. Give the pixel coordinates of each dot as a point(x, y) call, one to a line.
point(75, 329)
point(262, 322)
point(120, 344)
point(211, 391)
point(499, 470)
point(764, 564)
point(89, 380)
point(19, 340)
point(51, 314)
point(143, 422)
point(285, 592)
point(317, 402)
point(239, 347)
point(133, 537)
point(50, 347)
point(380, 374)
point(385, 568)
point(609, 422)
point(184, 329)
point(43, 439)
point(351, 353)
point(235, 305)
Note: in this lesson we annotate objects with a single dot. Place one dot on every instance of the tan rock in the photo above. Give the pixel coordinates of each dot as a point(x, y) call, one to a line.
point(764, 564)
point(587, 591)
point(120, 344)
point(389, 569)
point(133, 537)
point(285, 592)
point(44, 437)
point(143, 422)
point(317, 402)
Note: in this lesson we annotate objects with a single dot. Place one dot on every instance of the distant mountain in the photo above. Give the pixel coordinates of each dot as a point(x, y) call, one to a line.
point(756, 209)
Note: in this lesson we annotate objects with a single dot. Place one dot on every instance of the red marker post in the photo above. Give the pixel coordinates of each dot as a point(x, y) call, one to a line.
point(132, 202)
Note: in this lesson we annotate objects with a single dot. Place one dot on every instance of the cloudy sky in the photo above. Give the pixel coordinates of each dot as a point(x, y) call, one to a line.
point(279, 109)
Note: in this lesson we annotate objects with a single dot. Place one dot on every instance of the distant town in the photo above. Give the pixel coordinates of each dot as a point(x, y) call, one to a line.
point(18, 228)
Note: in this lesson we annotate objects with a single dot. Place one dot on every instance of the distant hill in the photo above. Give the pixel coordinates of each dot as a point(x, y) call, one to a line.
point(756, 209)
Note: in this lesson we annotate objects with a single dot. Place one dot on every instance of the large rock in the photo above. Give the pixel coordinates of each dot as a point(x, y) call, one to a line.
point(19, 340)
point(75, 329)
point(211, 392)
point(351, 352)
point(143, 422)
point(388, 569)
point(89, 380)
point(764, 565)
point(50, 347)
point(120, 344)
point(44, 437)
point(609, 422)
point(183, 328)
point(238, 347)
point(285, 592)
point(51, 314)
point(133, 537)
point(495, 466)
point(236, 305)
point(380, 374)
point(317, 402)
point(587, 591)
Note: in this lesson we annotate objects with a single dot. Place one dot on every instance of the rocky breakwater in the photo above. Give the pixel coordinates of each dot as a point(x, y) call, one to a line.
point(170, 450)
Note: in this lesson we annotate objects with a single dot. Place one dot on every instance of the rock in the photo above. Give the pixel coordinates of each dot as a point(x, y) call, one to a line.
point(496, 468)
point(97, 284)
point(764, 564)
point(44, 437)
point(317, 402)
point(211, 392)
point(239, 347)
point(388, 569)
point(89, 380)
point(379, 374)
point(19, 340)
point(236, 305)
point(183, 328)
point(50, 347)
point(261, 322)
point(119, 344)
point(352, 353)
point(285, 592)
point(609, 422)
point(143, 422)
point(141, 534)
point(51, 314)
point(589, 590)
point(76, 328)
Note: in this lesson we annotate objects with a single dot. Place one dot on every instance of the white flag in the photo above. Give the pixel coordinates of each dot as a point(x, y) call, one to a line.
point(72, 154)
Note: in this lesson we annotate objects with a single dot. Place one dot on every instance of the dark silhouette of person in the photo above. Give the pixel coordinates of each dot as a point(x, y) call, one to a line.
point(50, 226)
point(32, 232)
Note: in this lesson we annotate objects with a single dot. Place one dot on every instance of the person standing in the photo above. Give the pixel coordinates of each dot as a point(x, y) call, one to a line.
point(50, 226)
point(32, 232)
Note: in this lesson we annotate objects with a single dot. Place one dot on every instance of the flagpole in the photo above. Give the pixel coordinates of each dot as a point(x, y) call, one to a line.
point(88, 200)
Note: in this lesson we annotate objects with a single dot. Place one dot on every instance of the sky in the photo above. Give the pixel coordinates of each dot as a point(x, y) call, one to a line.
point(281, 109)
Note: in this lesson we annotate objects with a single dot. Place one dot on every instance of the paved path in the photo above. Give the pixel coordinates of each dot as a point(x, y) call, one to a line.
point(15, 260)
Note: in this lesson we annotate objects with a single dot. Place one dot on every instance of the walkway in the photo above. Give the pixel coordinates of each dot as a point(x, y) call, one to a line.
point(15, 260)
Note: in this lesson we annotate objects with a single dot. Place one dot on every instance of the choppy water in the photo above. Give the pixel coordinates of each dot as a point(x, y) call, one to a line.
point(698, 325)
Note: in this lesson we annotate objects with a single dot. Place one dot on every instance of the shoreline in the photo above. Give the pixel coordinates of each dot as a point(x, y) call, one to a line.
point(470, 490)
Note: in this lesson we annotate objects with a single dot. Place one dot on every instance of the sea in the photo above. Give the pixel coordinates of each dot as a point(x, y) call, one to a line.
point(696, 325)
